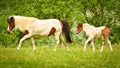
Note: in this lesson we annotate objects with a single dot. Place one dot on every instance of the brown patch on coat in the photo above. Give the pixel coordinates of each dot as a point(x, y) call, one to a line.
point(26, 32)
point(79, 28)
point(105, 33)
point(52, 31)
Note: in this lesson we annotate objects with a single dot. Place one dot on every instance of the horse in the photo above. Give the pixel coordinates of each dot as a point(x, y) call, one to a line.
point(31, 27)
point(92, 32)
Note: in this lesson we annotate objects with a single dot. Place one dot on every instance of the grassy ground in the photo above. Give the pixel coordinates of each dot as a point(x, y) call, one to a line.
point(44, 57)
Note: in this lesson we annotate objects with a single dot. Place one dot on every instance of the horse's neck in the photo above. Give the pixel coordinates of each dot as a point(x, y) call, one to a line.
point(23, 23)
point(87, 27)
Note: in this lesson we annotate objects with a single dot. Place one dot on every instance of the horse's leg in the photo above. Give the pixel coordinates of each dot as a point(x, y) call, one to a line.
point(108, 41)
point(21, 40)
point(86, 42)
point(33, 43)
point(103, 42)
point(93, 46)
point(64, 42)
point(57, 40)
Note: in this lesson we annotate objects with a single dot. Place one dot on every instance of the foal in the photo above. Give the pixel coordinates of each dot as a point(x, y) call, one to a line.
point(92, 32)
point(31, 26)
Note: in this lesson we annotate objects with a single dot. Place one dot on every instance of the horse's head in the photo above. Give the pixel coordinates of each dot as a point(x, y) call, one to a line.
point(79, 28)
point(11, 24)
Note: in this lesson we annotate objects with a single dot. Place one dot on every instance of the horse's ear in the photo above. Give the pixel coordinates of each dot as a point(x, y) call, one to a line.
point(10, 20)
point(80, 24)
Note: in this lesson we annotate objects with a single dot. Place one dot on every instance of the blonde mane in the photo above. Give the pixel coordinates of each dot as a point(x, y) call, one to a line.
point(23, 23)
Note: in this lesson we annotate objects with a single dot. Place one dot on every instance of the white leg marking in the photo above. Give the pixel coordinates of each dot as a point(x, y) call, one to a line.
point(109, 44)
point(102, 47)
point(33, 43)
point(103, 42)
point(57, 40)
point(64, 42)
point(93, 46)
point(21, 40)
point(86, 42)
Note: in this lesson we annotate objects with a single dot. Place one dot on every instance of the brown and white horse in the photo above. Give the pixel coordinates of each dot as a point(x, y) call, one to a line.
point(31, 26)
point(92, 31)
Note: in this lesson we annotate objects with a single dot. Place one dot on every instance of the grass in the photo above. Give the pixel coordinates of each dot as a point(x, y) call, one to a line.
point(44, 57)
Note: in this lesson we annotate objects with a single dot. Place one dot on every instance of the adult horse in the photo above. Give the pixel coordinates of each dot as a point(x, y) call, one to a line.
point(92, 31)
point(31, 26)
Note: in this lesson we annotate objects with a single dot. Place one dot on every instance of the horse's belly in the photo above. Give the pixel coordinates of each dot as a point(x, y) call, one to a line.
point(44, 28)
point(41, 33)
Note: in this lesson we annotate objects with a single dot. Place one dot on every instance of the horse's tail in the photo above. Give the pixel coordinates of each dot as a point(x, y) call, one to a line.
point(111, 33)
point(66, 30)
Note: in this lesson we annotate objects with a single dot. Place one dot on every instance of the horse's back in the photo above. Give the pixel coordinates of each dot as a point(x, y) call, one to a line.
point(43, 27)
point(48, 23)
point(92, 30)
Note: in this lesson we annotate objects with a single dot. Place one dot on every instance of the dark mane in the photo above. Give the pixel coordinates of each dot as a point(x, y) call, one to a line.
point(10, 20)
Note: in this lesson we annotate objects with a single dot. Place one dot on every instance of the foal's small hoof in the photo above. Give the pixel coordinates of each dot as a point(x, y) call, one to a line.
point(111, 50)
point(68, 50)
point(84, 50)
point(93, 51)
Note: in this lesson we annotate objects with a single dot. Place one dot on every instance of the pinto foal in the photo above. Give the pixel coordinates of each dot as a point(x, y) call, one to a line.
point(92, 32)
point(31, 26)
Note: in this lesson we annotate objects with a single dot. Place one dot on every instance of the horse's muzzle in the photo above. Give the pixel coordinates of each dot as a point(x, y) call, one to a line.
point(8, 31)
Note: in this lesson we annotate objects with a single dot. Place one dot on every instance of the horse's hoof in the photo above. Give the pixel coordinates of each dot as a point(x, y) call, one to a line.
point(84, 50)
point(93, 51)
point(100, 51)
point(68, 50)
point(18, 49)
point(111, 50)
point(34, 49)
point(54, 50)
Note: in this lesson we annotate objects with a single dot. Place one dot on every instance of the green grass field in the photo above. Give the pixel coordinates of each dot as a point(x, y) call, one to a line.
point(45, 57)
